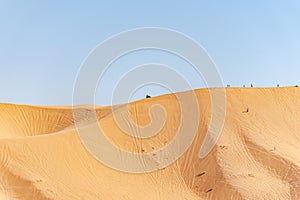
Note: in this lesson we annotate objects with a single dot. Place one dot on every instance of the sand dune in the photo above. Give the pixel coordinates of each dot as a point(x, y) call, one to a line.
point(256, 157)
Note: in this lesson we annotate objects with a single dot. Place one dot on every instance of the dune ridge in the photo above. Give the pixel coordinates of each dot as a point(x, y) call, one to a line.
point(256, 157)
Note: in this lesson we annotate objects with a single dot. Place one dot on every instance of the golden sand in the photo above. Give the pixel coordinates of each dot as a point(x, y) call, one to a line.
point(256, 157)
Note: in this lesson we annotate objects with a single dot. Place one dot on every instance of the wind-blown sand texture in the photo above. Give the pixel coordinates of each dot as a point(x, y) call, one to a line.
point(256, 157)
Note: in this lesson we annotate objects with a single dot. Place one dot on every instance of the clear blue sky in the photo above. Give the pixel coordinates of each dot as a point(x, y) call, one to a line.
point(42, 45)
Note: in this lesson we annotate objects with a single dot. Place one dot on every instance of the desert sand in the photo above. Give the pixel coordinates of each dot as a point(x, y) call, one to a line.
point(256, 157)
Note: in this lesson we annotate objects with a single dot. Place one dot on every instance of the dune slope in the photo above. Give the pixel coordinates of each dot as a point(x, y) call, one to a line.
point(256, 157)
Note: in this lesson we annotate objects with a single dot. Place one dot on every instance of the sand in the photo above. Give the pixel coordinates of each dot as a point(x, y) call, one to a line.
point(256, 157)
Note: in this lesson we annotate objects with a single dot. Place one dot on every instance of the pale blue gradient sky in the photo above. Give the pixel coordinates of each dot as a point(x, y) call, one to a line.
point(42, 45)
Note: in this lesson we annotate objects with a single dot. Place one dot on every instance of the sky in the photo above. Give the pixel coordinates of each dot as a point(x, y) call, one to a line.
point(43, 44)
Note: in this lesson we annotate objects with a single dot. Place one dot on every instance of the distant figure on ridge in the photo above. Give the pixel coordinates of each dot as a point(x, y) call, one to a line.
point(148, 96)
point(251, 85)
